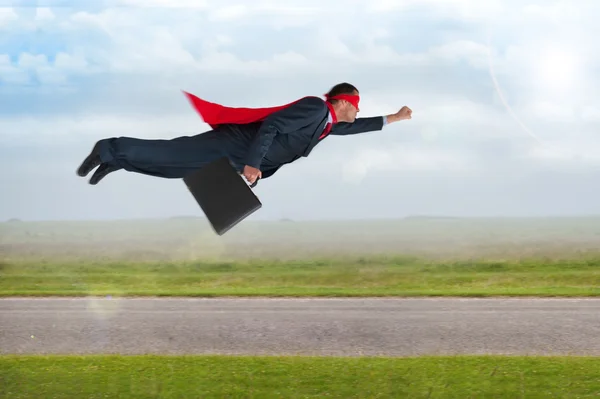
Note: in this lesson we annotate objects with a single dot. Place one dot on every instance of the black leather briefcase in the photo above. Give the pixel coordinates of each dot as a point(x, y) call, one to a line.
point(223, 195)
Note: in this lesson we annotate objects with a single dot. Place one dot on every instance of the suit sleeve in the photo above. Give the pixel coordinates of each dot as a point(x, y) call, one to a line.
point(284, 121)
point(360, 125)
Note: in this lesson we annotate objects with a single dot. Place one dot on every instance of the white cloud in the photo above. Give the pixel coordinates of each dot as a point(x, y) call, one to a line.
point(196, 48)
point(192, 4)
point(402, 159)
point(551, 111)
point(591, 113)
point(558, 11)
point(38, 66)
point(464, 9)
point(11, 74)
point(73, 63)
point(566, 152)
point(7, 15)
point(44, 14)
point(473, 52)
point(229, 13)
point(92, 126)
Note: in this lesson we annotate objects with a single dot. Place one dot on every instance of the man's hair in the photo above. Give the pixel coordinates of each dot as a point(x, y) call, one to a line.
point(341, 88)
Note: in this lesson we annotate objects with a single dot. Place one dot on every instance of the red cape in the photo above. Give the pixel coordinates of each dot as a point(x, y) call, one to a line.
point(217, 114)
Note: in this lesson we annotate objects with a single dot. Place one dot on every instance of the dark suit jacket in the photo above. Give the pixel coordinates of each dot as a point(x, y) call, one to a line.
point(286, 135)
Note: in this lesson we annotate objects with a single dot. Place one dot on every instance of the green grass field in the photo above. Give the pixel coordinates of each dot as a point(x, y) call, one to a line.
point(413, 257)
point(384, 276)
point(138, 377)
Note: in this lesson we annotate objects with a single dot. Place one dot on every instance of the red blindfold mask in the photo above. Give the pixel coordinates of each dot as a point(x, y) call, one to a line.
point(351, 98)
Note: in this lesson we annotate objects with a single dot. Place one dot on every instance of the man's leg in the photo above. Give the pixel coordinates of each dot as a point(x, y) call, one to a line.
point(167, 158)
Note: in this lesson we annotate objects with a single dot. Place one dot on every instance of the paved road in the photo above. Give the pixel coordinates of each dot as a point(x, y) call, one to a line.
point(347, 327)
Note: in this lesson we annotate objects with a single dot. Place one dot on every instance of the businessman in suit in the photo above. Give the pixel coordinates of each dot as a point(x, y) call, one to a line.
point(256, 144)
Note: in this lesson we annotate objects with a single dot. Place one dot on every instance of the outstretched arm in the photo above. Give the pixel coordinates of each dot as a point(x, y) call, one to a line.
point(363, 125)
point(360, 125)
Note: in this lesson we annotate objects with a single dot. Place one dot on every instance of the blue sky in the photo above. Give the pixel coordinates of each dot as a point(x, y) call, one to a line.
point(514, 137)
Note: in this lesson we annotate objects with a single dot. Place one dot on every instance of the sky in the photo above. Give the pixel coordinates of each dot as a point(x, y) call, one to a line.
point(506, 110)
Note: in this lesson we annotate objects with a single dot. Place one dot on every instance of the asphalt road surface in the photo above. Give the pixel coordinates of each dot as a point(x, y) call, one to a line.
point(340, 327)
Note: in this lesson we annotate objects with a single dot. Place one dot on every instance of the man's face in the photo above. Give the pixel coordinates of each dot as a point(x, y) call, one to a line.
point(350, 110)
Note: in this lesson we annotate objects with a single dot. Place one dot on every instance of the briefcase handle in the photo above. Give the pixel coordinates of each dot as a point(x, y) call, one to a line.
point(251, 185)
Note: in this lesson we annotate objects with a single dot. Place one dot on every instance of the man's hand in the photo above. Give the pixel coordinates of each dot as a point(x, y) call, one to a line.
point(404, 113)
point(251, 174)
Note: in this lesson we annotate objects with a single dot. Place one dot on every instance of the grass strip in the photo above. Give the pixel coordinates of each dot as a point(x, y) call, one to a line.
point(383, 276)
point(100, 376)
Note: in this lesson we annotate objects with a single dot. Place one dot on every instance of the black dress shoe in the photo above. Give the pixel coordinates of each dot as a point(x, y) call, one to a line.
point(89, 163)
point(101, 172)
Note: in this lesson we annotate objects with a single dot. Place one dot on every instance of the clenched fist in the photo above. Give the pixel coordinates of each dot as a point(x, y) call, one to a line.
point(251, 174)
point(404, 113)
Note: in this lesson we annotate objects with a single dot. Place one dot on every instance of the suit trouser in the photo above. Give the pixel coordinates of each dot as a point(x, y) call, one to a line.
point(168, 158)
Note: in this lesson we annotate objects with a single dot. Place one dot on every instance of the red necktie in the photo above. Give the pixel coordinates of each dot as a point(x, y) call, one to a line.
point(326, 131)
point(329, 124)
